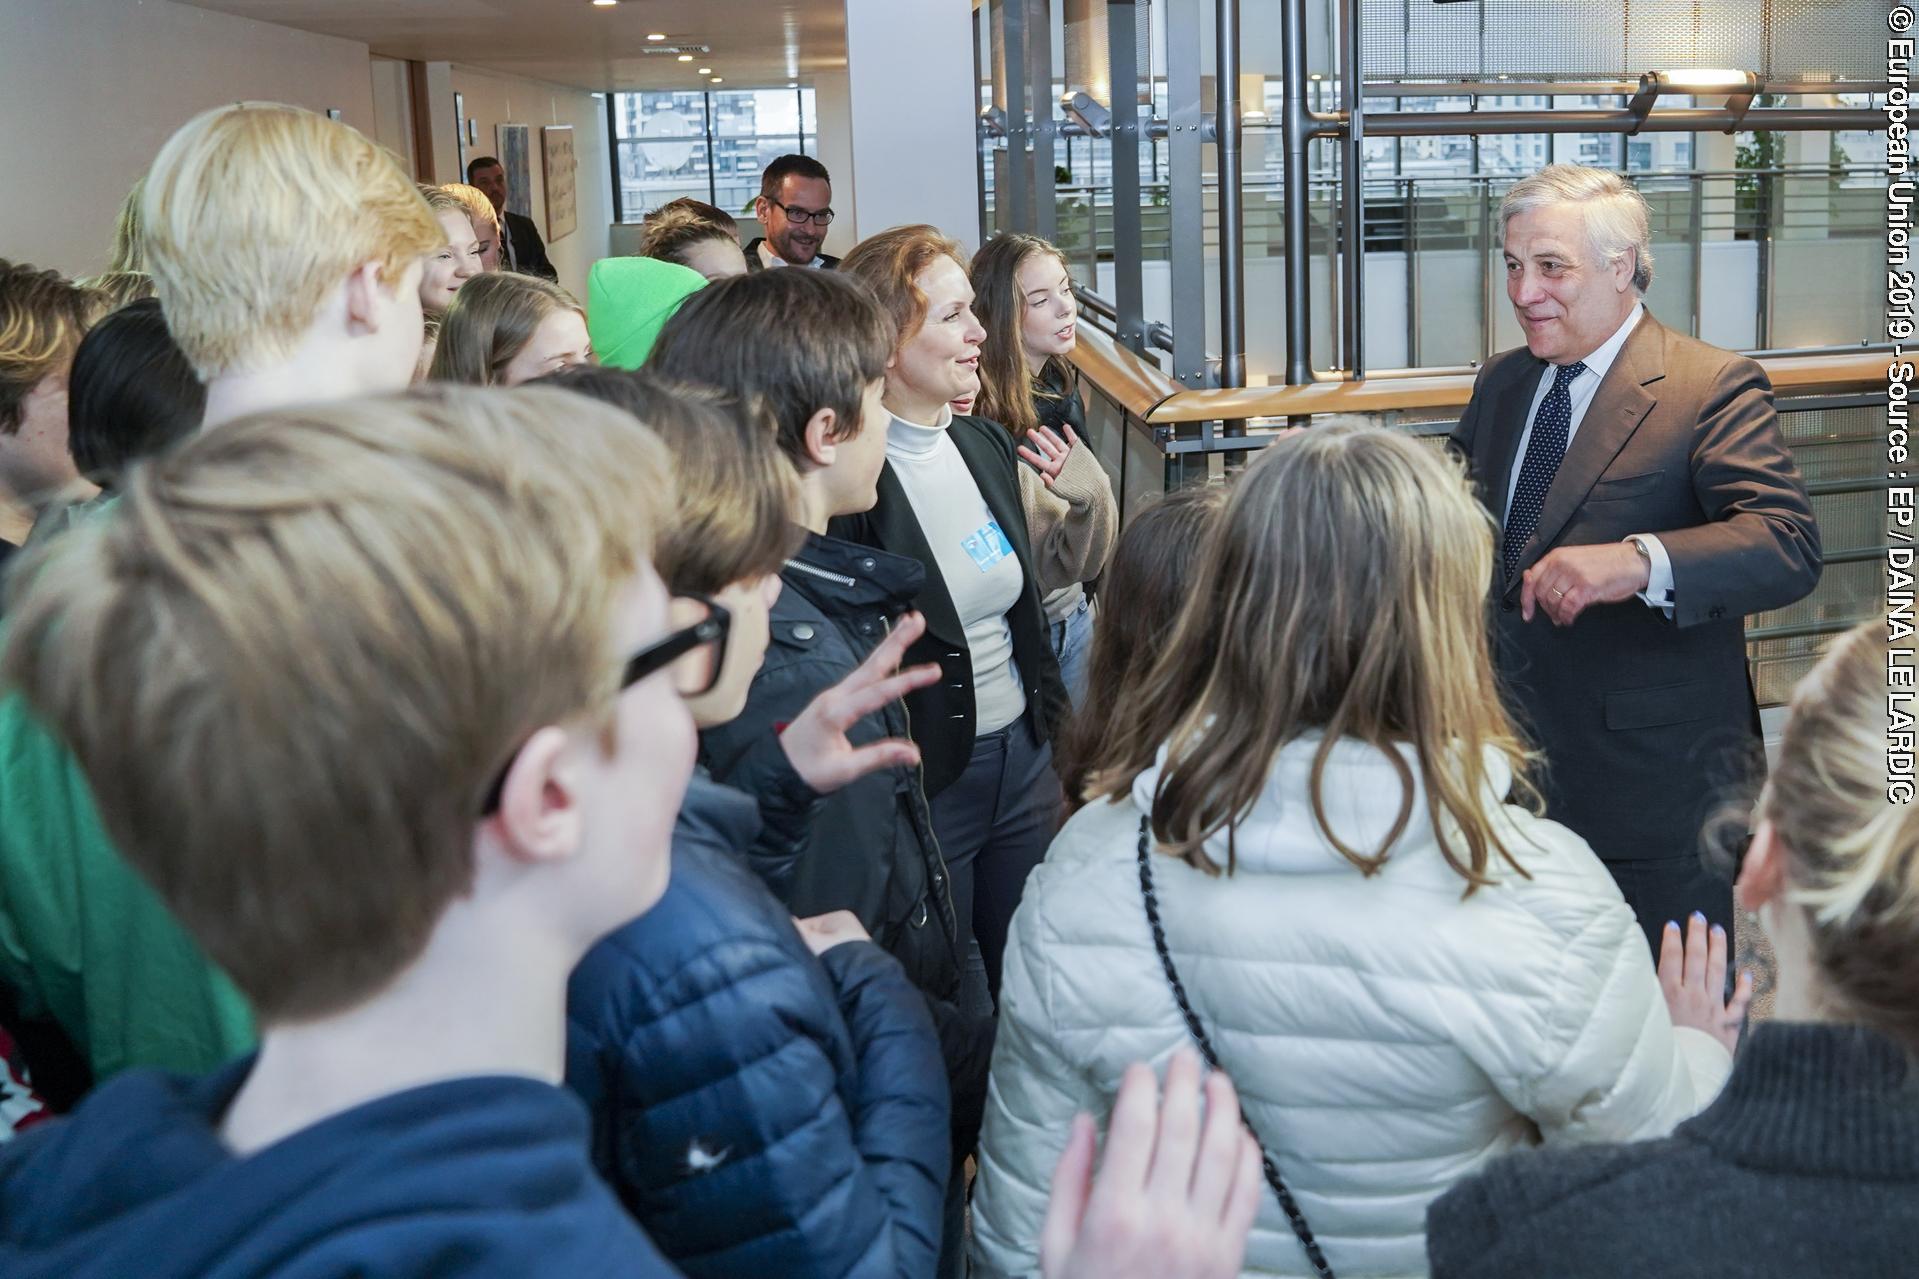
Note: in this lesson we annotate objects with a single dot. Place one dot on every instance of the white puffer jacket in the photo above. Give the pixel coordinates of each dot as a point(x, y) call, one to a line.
point(1386, 1037)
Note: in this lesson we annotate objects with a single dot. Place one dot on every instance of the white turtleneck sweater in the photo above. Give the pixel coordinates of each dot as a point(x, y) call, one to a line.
point(973, 555)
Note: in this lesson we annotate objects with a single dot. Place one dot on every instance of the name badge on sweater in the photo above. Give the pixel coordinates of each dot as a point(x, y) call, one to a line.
point(988, 546)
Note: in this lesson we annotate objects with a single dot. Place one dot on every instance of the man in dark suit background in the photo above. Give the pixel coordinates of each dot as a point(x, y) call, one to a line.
point(795, 207)
point(1647, 503)
point(521, 248)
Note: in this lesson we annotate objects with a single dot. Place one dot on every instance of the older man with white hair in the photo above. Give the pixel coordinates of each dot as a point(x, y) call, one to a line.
point(1646, 503)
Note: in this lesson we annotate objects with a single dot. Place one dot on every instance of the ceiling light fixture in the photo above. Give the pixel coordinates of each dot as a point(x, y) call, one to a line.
point(604, 4)
point(706, 70)
point(686, 57)
point(719, 79)
point(1703, 79)
point(1740, 88)
point(656, 35)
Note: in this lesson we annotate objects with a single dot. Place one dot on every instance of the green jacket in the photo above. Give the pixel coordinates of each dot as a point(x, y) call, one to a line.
point(84, 938)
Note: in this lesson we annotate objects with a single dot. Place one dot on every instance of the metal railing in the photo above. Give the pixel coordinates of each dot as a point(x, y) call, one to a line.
point(1750, 259)
point(1784, 217)
point(1832, 412)
point(1030, 126)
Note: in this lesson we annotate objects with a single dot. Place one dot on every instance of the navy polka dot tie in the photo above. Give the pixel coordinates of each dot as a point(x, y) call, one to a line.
point(1545, 449)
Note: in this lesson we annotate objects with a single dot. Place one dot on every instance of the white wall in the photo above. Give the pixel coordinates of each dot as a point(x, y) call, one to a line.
point(833, 103)
point(912, 129)
point(494, 99)
point(90, 89)
point(393, 111)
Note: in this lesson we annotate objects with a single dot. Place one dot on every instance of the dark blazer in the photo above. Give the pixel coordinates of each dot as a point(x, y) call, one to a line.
point(1642, 719)
point(761, 1111)
point(529, 251)
point(1807, 1165)
point(754, 265)
point(943, 723)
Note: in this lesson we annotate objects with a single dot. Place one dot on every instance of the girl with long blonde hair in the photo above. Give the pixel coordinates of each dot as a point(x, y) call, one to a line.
point(1302, 855)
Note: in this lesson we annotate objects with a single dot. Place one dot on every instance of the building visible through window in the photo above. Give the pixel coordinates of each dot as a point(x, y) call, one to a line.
point(711, 145)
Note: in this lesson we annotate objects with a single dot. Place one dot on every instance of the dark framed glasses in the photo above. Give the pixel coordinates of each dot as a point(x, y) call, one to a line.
point(696, 652)
point(800, 217)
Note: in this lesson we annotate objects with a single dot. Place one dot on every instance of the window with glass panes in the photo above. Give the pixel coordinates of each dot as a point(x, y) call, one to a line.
point(709, 144)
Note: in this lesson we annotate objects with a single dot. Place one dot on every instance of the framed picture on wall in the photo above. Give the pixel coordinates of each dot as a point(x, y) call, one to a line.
point(460, 130)
point(519, 177)
point(556, 151)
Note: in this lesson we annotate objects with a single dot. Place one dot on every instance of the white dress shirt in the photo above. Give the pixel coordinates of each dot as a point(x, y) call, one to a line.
point(1658, 592)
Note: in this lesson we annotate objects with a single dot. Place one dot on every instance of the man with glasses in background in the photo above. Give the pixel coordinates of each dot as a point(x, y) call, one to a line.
point(795, 206)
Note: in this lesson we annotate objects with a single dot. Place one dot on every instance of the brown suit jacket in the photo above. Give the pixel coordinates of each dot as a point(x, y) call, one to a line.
point(1645, 722)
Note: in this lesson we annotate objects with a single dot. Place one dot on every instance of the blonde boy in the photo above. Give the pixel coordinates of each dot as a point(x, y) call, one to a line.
point(285, 249)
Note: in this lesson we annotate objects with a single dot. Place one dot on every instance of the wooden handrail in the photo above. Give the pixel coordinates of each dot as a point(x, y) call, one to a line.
point(1145, 392)
point(1135, 384)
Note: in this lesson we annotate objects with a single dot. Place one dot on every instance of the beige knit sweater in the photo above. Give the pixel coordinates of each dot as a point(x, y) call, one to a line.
point(1072, 525)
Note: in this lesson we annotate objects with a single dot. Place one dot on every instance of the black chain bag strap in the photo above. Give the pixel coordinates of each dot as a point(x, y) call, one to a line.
point(1303, 1231)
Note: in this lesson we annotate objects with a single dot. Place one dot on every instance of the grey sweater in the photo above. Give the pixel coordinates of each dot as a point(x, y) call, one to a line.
point(1807, 1165)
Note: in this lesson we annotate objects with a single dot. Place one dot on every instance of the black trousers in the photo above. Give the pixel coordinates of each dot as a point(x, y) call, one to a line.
point(1671, 888)
point(994, 823)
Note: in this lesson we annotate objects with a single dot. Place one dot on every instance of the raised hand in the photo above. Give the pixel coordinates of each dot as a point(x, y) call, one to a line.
point(1174, 1200)
point(1048, 452)
point(816, 743)
point(1693, 977)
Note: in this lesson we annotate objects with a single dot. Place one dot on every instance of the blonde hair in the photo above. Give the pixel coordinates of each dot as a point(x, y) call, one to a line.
point(1341, 591)
point(474, 201)
point(117, 288)
point(490, 321)
point(300, 649)
point(440, 200)
point(253, 213)
point(1851, 849)
point(43, 316)
point(129, 250)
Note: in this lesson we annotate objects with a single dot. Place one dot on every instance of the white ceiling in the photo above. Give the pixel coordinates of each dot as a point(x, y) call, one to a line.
point(755, 43)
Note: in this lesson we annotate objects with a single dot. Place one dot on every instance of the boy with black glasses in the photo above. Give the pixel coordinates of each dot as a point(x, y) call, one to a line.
point(791, 1074)
point(403, 736)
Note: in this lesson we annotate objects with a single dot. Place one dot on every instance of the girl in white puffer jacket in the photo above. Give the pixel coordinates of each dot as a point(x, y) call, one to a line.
point(1404, 973)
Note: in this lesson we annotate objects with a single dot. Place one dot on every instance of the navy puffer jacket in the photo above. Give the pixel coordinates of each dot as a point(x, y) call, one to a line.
point(762, 1112)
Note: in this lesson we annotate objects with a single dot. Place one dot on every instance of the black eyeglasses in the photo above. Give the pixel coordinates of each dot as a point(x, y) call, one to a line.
point(697, 652)
point(800, 217)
